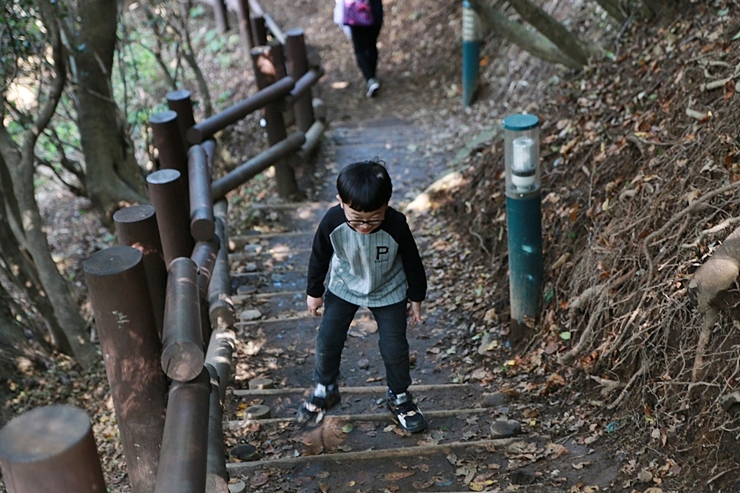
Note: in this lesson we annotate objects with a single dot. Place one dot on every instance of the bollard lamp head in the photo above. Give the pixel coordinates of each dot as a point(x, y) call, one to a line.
point(522, 154)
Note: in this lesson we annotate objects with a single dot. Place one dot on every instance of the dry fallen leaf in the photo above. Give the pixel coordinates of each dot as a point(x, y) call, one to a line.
point(468, 471)
point(551, 347)
point(259, 479)
point(397, 476)
point(480, 485)
point(555, 450)
point(530, 413)
point(452, 459)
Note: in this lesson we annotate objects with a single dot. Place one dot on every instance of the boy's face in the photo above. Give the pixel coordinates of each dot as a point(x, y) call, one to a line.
point(363, 222)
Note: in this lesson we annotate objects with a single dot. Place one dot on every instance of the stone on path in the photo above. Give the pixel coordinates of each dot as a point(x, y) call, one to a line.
point(505, 428)
point(261, 383)
point(238, 487)
point(245, 289)
point(495, 399)
point(257, 412)
point(248, 315)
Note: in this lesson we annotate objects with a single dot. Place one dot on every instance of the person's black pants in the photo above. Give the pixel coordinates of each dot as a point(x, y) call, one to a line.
point(365, 39)
point(394, 347)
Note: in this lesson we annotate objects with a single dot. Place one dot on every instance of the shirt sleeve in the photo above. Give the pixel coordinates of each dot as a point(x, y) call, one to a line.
point(416, 278)
point(321, 253)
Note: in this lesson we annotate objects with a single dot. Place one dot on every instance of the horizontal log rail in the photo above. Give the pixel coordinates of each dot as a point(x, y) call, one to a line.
point(257, 165)
point(238, 111)
point(274, 28)
point(313, 138)
point(304, 84)
point(256, 8)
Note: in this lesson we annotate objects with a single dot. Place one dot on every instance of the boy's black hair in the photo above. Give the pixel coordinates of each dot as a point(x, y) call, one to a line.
point(365, 186)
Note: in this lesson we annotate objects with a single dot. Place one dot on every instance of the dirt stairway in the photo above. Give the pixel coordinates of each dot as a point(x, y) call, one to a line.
point(276, 337)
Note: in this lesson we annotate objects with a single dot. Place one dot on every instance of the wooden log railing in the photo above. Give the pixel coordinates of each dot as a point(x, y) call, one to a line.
point(162, 298)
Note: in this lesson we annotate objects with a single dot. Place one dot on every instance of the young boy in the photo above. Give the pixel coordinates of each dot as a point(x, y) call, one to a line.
point(373, 261)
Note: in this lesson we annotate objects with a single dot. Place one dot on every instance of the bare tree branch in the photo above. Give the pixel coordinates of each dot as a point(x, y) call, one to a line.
point(555, 31)
point(533, 42)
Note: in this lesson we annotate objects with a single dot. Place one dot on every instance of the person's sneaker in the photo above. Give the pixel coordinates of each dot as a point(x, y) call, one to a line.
point(322, 399)
point(373, 85)
point(405, 412)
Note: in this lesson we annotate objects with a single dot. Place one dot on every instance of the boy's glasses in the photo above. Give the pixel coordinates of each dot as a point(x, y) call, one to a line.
point(356, 223)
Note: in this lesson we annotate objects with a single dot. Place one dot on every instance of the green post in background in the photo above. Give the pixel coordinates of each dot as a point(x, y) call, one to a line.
point(523, 217)
point(471, 36)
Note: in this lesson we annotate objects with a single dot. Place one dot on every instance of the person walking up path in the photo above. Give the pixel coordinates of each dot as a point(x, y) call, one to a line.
point(363, 29)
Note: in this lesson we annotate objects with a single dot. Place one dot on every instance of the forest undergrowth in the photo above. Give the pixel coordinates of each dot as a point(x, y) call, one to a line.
point(641, 172)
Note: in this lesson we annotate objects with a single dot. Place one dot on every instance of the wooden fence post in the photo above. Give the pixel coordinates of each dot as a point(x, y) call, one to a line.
point(136, 226)
point(264, 64)
point(168, 141)
point(217, 478)
point(245, 26)
point(51, 449)
point(202, 225)
point(259, 29)
point(295, 45)
point(281, 71)
point(167, 194)
point(124, 316)
point(180, 102)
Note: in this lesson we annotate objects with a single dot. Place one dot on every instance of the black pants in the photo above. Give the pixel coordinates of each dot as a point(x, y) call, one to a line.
point(394, 347)
point(365, 39)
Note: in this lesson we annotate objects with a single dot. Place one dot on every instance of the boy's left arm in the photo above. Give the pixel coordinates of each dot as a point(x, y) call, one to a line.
point(415, 275)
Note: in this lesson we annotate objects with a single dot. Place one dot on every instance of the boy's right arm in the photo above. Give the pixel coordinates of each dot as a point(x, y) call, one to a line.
point(321, 253)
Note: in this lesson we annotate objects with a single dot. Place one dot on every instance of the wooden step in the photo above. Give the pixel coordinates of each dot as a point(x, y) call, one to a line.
point(243, 467)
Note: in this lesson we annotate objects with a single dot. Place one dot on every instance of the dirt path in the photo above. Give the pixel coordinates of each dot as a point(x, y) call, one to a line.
point(358, 448)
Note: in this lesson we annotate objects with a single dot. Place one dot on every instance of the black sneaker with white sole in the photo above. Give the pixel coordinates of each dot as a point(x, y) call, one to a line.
point(322, 399)
point(405, 412)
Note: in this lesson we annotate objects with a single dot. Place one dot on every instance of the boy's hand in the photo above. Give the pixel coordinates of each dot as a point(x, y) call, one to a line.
point(414, 312)
point(314, 304)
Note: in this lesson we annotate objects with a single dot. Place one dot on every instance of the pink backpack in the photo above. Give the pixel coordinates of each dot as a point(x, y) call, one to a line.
point(358, 13)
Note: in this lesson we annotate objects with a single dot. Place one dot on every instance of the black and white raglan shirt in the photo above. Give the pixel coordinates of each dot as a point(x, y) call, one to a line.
point(371, 270)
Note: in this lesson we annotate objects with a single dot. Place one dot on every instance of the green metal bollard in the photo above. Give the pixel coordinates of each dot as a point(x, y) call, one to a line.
point(523, 218)
point(471, 35)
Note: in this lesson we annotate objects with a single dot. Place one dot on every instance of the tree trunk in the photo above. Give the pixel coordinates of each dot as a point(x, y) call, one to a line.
point(56, 287)
point(13, 341)
point(554, 31)
point(20, 163)
point(112, 174)
point(612, 8)
point(533, 42)
point(189, 55)
point(22, 273)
